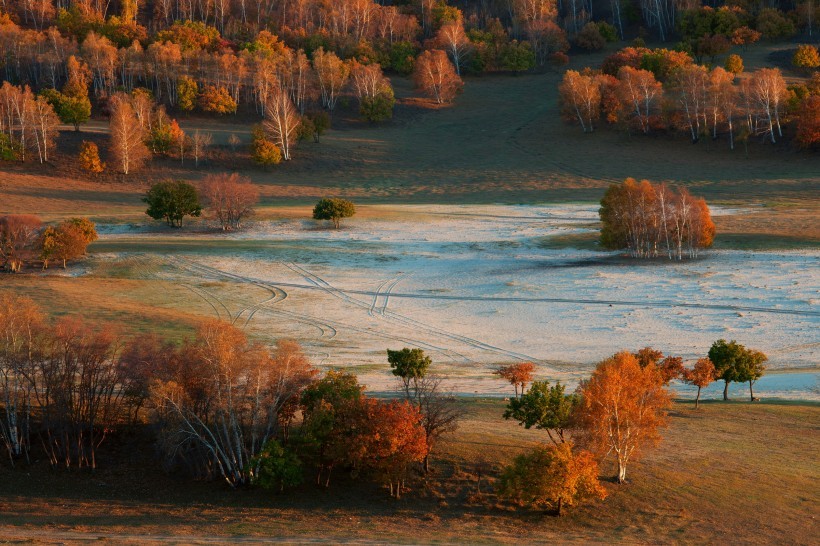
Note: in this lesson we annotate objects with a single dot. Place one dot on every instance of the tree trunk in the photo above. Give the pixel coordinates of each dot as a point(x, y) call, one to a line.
point(751, 392)
point(560, 505)
point(725, 390)
point(621, 471)
point(427, 463)
point(697, 399)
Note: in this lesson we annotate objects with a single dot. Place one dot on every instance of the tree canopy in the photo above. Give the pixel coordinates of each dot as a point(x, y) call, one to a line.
point(172, 201)
point(333, 209)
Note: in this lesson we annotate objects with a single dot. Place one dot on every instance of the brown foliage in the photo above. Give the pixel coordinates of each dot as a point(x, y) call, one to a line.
point(18, 237)
point(230, 198)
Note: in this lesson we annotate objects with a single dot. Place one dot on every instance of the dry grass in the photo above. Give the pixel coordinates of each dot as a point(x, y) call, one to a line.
point(732, 473)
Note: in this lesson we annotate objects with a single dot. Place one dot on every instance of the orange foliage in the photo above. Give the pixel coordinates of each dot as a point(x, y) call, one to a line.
point(701, 375)
point(808, 122)
point(622, 408)
point(518, 375)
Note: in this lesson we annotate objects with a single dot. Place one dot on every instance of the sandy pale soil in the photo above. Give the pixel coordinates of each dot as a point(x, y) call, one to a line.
point(477, 285)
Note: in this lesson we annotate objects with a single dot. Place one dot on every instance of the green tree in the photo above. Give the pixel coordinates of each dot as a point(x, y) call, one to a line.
point(725, 356)
point(278, 467)
point(410, 365)
point(172, 201)
point(328, 407)
point(552, 477)
point(333, 209)
point(749, 368)
point(321, 123)
point(187, 93)
point(379, 107)
point(517, 56)
point(544, 407)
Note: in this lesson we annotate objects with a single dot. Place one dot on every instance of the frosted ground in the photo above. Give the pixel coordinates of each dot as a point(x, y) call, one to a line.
point(475, 286)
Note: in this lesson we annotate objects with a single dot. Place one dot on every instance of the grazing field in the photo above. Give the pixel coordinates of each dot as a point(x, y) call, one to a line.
point(721, 475)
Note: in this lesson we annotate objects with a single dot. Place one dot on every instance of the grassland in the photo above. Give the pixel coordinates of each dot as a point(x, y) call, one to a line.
point(735, 473)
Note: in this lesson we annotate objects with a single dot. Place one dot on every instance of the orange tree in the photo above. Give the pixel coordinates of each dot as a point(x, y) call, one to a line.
point(623, 406)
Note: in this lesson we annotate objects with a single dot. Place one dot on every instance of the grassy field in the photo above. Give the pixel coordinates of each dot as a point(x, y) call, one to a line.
point(734, 473)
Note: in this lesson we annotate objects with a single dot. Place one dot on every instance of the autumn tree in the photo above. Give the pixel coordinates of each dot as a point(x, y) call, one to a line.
point(332, 74)
point(734, 64)
point(21, 322)
point(552, 477)
point(198, 143)
point(90, 158)
point(67, 241)
point(808, 122)
point(127, 136)
point(18, 240)
point(701, 375)
point(263, 151)
point(229, 198)
point(373, 91)
point(187, 93)
point(410, 366)
point(580, 97)
point(172, 201)
point(644, 219)
point(72, 104)
point(641, 95)
point(333, 209)
point(281, 121)
point(769, 92)
point(622, 409)
point(546, 408)
point(518, 375)
point(436, 76)
point(217, 100)
point(452, 39)
point(221, 401)
point(390, 441)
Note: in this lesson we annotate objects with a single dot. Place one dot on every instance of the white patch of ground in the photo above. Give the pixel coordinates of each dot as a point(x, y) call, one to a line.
point(473, 286)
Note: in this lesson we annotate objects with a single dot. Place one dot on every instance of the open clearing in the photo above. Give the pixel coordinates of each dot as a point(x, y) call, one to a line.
point(473, 286)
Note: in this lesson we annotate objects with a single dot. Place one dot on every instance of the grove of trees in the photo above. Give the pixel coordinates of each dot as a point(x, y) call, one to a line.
point(650, 220)
point(651, 91)
point(26, 240)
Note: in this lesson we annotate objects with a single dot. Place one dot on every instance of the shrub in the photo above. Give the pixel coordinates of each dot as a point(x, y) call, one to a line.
point(90, 158)
point(263, 151)
point(172, 201)
point(608, 31)
point(590, 38)
point(806, 56)
point(379, 107)
point(333, 209)
point(278, 467)
point(734, 64)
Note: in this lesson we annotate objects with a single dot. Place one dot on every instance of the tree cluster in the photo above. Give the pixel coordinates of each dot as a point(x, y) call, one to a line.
point(25, 240)
point(651, 220)
point(656, 90)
